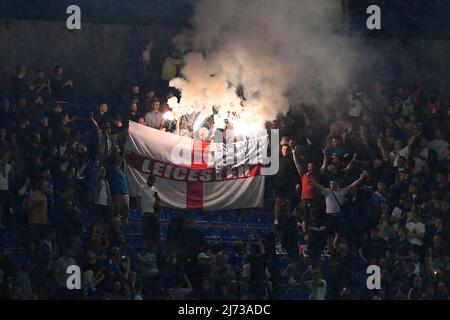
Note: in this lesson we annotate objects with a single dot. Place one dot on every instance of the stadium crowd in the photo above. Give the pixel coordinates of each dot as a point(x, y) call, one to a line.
point(367, 183)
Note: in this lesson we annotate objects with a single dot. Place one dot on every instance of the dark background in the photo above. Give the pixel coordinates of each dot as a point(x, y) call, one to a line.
point(400, 18)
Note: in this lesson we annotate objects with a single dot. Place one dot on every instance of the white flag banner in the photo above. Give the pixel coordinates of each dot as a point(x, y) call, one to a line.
point(194, 174)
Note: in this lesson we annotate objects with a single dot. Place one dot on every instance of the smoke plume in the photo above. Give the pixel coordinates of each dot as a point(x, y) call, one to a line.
point(252, 59)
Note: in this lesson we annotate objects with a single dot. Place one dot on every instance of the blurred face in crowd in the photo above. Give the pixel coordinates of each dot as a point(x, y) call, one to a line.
point(401, 162)
point(447, 153)
point(311, 167)
point(335, 142)
point(21, 71)
point(388, 133)
point(441, 179)
point(338, 115)
point(102, 172)
point(438, 134)
point(381, 186)
point(41, 75)
point(336, 161)
point(44, 121)
point(291, 144)
point(283, 141)
point(401, 234)
point(438, 223)
point(437, 240)
point(334, 185)
point(156, 106)
point(284, 151)
point(36, 138)
point(398, 145)
point(417, 282)
point(6, 105)
point(374, 233)
point(59, 72)
point(423, 143)
point(151, 94)
point(356, 88)
point(57, 109)
point(135, 90)
point(103, 108)
point(133, 106)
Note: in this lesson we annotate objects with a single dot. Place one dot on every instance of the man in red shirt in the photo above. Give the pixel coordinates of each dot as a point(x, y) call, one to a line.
point(310, 195)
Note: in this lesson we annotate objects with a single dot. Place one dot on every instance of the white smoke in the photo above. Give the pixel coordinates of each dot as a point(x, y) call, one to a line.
point(279, 53)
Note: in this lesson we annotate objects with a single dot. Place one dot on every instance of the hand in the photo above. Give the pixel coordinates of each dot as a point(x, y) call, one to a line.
point(308, 141)
point(297, 187)
point(39, 100)
point(355, 156)
point(380, 143)
point(91, 115)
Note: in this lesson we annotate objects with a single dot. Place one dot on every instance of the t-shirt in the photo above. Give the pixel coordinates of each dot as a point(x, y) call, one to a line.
point(153, 120)
point(309, 191)
point(332, 206)
point(415, 228)
point(147, 198)
point(149, 257)
point(119, 182)
point(396, 213)
point(103, 196)
point(318, 233)
point(4, 177)
point(439, 146)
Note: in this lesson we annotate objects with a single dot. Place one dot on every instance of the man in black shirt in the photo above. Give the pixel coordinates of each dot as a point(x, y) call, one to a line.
point(18, 87)
point(318, 233)
point(284, 183)
point(60, 87)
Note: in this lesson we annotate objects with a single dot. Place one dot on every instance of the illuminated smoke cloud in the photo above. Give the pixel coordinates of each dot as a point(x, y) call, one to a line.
point(272, 53)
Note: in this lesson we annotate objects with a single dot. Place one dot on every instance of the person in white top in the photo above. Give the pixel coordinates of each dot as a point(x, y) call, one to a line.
point(102, 199)
point(334, 201)
point(6, 174)
point(148, 203)
point(400, 151)
point(317, 286)
point(416, 230)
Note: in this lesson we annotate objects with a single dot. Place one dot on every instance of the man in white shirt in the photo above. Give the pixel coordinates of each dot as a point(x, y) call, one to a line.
point(154, 118)
point(439, 144)
point(334, 201)
point(148, 202)
point(400, 151)
point(317, 286)
point(416, 230)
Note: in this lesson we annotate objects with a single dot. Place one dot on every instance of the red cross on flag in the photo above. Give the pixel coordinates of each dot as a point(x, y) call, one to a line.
point(194, 174)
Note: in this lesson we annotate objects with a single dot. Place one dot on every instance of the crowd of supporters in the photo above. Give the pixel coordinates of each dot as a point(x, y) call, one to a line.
point(364, 181)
